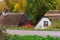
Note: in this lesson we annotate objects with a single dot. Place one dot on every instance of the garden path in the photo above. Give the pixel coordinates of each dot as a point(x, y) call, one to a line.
point(30, 32)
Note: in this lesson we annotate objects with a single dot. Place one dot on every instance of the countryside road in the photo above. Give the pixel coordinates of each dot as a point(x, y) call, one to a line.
point(29, 32)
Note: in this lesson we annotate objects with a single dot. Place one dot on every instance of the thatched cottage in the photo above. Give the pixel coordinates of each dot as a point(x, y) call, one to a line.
point(46, 20)
point(14, 19)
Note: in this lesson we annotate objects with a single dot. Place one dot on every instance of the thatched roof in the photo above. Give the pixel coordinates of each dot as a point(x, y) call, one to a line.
point(12, 19)
point(53, 13)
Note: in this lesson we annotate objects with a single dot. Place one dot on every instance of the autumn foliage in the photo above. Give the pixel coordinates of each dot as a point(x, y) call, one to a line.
point(16, 5)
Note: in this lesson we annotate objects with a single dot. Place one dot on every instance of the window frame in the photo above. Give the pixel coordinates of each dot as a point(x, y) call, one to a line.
point(45, 23)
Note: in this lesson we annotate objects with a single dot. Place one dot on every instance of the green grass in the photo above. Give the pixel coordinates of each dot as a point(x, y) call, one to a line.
point(51, 28)
point(31, 37)
point(48, 29)
point(23, 28)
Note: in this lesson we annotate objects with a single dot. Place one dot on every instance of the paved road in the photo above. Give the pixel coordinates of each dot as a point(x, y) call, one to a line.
point(29, 32)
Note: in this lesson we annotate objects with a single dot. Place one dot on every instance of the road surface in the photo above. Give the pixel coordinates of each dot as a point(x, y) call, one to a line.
point(29, 32)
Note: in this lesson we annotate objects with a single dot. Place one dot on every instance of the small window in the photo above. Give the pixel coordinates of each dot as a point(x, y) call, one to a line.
point(45, 23)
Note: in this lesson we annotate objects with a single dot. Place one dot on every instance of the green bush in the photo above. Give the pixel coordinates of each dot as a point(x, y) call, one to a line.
point(29, 37)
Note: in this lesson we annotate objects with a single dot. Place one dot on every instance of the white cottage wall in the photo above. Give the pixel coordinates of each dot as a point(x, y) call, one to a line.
point(40, 25)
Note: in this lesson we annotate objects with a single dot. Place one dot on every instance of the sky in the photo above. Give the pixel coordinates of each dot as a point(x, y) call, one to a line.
point(1, 0)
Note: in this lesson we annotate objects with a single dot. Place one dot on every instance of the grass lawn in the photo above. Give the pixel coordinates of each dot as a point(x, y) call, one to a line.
point(23, 28)
point(47, 29)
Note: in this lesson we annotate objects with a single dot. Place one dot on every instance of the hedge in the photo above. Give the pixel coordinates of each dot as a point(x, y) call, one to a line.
point(30, 37)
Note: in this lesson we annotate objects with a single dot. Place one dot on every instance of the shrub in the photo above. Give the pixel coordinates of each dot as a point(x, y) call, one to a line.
point(30, 37)
point(2, 34)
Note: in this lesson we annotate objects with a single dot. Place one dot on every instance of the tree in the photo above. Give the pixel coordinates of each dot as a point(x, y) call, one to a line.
point(9, 5)
point(20, 6)
point(16, 5)
point(2, 5)
point(35, 9)
point(58, 4)
point(1, 8)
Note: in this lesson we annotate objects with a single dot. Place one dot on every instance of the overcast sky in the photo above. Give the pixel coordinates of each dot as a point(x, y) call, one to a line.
point(1, 0)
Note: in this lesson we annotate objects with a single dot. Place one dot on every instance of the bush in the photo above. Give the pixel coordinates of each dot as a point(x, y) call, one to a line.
point(55, 23)
point(30, 37)
point(2, 34)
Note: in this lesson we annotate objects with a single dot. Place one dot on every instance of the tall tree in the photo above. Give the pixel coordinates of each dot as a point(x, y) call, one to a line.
point(35, 9)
